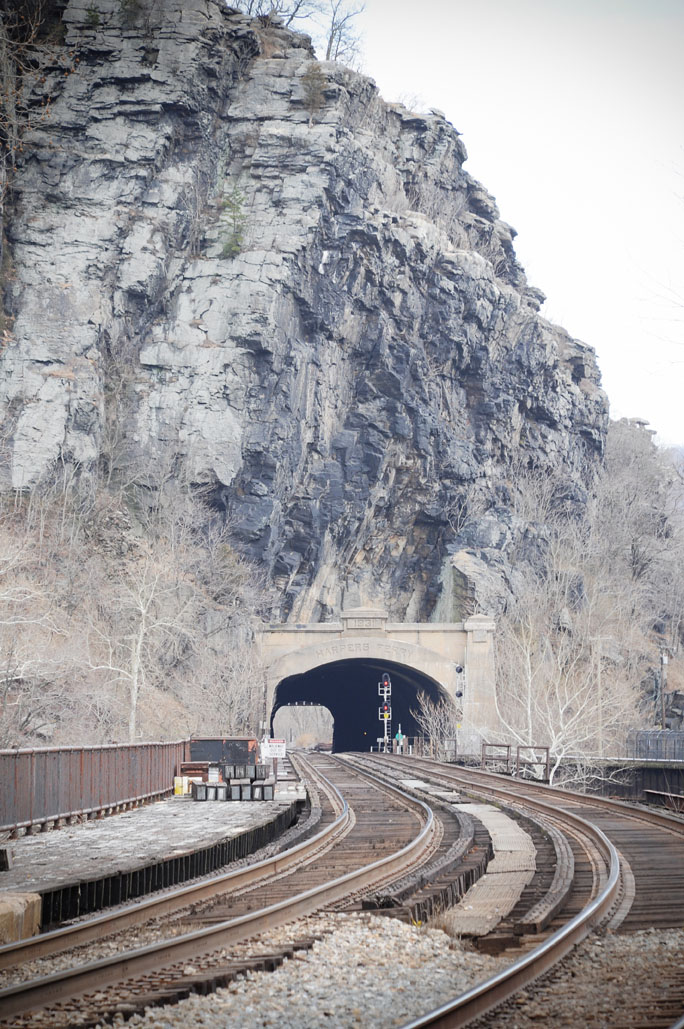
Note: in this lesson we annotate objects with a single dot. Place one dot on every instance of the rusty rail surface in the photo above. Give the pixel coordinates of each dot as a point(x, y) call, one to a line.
point(481, 998)
point(72, 982)
point(486, 995)
point(174, 900)
point(46, 784)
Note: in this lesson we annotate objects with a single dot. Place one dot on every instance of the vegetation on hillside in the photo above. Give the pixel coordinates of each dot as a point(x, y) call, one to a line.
point(331, 23)
point(581, 639)
point(595, 610)
point(124, 614)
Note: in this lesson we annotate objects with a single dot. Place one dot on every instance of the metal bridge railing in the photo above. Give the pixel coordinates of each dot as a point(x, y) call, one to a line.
point(45, 784)
point(655, 745)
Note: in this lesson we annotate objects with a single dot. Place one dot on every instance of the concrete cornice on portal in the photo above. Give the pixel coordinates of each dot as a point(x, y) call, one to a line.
point(425, 627)
point(479, 623)
point(320, 627)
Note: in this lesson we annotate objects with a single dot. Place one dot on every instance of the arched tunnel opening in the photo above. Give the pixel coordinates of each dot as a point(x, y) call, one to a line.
point(349, 689)
point(304, 725)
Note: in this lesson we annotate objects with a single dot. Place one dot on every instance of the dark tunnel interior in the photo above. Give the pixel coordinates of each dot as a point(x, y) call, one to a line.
point(349, 689)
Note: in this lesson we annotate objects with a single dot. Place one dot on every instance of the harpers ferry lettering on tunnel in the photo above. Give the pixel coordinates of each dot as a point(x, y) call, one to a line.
point(344, 649)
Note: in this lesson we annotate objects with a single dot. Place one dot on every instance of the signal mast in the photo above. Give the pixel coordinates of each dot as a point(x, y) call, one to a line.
point(385, 710)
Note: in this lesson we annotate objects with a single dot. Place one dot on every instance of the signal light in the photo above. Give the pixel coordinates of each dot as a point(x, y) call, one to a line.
point(385, 686)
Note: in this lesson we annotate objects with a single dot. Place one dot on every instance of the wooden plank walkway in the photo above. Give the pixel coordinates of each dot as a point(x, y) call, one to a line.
point(495, 895)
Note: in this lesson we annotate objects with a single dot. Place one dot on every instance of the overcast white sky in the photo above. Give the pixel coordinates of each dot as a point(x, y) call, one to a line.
point(572, 112)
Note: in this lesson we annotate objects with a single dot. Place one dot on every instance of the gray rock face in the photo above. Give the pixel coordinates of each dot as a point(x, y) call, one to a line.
point(317, 312)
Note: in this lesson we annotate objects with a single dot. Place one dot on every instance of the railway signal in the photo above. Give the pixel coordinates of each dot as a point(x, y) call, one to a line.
point(385, 711)
point(460, 672)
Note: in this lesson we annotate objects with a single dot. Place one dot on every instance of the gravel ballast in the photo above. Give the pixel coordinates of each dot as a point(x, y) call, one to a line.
point(609, 980)
point(367, 971)
point(379, 972)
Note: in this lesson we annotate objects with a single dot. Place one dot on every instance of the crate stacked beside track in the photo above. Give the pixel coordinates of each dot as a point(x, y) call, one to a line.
point(227, 769)
point(239, 782)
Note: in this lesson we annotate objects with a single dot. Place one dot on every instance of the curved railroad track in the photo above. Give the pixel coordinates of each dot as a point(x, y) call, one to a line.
point(637, 880)
point(333, 820)
point(594, 867)
point(363, 820)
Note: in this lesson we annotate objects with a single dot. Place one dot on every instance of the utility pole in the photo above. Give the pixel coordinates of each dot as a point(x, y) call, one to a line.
point(664, 658)
point(598, 653)
point(600, 703)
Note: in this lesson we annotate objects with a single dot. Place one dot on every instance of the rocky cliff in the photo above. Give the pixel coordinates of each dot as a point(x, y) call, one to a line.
point(220, 259)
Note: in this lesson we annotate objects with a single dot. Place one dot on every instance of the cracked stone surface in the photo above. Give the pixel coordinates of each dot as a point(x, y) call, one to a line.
point(320, 316)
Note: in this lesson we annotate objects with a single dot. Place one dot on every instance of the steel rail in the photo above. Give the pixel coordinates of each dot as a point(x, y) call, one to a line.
point(171, 901)
point(72, 982)
point(661, 819)
point(481, 998)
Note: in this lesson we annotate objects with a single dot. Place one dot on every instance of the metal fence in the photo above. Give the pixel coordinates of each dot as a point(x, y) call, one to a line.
point(49, 783)
point(655, 745)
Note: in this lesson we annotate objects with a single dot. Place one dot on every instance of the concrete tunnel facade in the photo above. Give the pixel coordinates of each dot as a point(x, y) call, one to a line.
point(338, 665)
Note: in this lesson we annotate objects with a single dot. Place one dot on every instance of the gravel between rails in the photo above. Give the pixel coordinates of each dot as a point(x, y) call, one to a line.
point(108, 946)
point(376, 971)
point(366, 971)
point(379, 972)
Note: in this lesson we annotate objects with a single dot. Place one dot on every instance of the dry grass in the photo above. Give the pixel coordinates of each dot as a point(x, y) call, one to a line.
point(447, 921)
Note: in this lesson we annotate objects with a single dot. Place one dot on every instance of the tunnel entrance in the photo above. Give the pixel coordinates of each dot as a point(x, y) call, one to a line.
point(339, 665)
point(349, 689)
point(303, 725)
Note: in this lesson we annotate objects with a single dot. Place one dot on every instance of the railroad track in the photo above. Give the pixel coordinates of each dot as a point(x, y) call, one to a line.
point(394, 830)
point(636, 881)
point(332, 820)
point(606, 884)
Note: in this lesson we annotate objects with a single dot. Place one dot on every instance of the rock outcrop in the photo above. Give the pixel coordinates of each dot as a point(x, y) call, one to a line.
point(224, 261)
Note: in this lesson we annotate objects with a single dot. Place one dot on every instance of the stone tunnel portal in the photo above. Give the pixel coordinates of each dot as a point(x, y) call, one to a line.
point(349, 689)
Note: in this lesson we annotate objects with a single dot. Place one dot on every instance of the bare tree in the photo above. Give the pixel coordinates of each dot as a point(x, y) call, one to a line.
point(227, 693)
point(562, 683)
point(36, 668)
point(169, 616)
point(288, 11)
point(581, 639)
point(343, 40)
point(313, 81)
point(119, 464)
point(26, 44)
point(439, 722)
point(330, 22)
point(139, 616)
point(121, 613)
point(466, 506)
